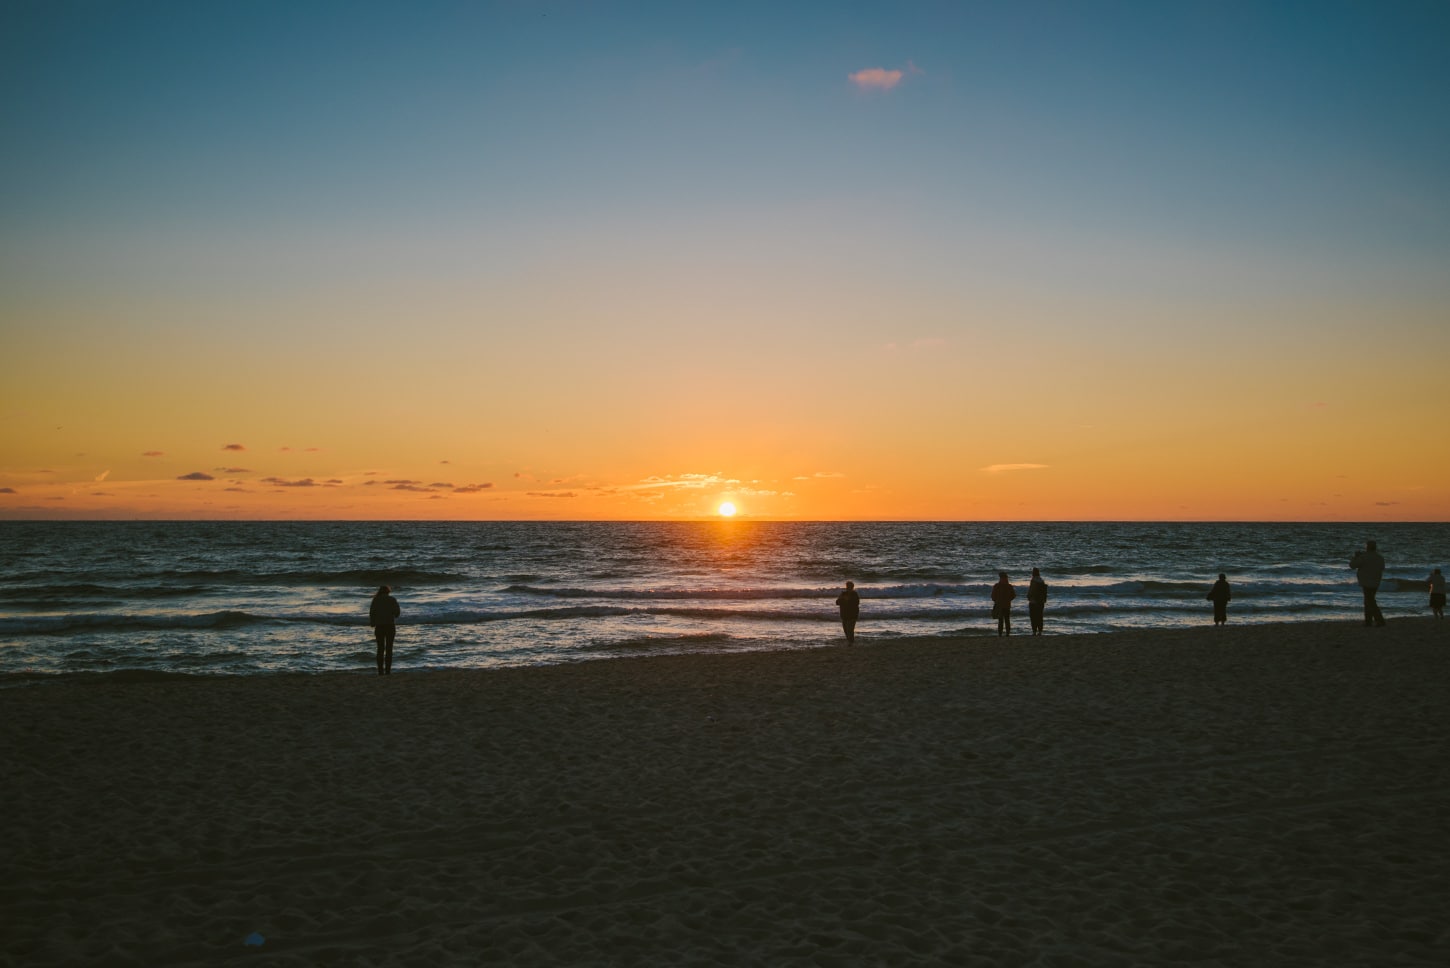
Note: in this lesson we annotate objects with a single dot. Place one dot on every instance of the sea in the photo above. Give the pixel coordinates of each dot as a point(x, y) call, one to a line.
point(261, 598)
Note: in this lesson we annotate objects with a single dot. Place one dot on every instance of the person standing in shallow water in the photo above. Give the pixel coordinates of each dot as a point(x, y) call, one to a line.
point(1002, 595)
point(1036, 601)
point(383, 617)
point(1369, 567)
point(1437, 593)
point(1219, 594)
point(849, 602)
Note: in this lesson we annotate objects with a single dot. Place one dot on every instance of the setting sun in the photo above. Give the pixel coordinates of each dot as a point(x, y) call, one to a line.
point(726, 510)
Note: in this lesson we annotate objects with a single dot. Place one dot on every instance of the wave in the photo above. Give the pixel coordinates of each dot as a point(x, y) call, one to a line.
point(59, 624)
point(928, 590)
point(65, 593)
point(646, 643)
point(18, 586)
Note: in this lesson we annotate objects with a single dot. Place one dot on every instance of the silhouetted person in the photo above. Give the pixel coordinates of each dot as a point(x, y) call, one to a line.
point(1369, 567)
point(1036, 601)
point(1219, 594)
point(383, 617)
point(1437, 593)
point(850, 604)
point(1002, 595)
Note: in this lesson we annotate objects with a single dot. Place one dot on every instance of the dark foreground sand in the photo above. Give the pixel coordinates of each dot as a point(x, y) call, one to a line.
point(1245, 796)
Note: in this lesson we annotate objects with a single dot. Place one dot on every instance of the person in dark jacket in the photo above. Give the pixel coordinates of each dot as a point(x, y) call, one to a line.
point(1002, 595)
point(1219, 594)
point(383, 617)
point(1036, 601)
point(1369, 568)
point(849, 603)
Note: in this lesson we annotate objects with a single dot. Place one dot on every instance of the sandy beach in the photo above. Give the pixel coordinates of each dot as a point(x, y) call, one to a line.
point(1267, 795)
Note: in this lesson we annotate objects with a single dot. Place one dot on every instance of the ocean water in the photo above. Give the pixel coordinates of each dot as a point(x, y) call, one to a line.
point(249, 598)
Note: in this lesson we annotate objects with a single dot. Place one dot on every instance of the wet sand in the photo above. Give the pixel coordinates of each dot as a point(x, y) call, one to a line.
point(1239, 796)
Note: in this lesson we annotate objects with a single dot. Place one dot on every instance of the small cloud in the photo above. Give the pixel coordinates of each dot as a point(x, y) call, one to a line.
point(1385, 504)
point(196, 476)
point(399, 481)
point(552, 494)
point(314, 450)
point(8, 490)
point(233, 447)
point(153, 453)
point(409, 486)
point(232, 470)
point(445, 462)
point(439, 485)
point(472, 488)
point(280, 482)
point(1003, 468)
point(239, 490)
point(875, 79)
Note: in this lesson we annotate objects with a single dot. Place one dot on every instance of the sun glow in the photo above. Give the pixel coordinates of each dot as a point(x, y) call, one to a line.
point(726, 510)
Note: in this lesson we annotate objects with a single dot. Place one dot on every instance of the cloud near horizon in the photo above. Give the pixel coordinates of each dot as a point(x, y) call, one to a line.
point(692, 481)
point(196, 476)
point(1003, 468)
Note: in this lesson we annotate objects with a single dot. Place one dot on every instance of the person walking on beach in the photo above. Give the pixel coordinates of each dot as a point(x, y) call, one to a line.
point(383, 617)
point(1036, 601)
point(1219, 594)
point(849, 603)
point(1369, 567)
point(1437, 593)
point(1002, 595)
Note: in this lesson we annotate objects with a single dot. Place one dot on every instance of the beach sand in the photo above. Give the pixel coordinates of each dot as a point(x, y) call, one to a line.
point(1266, 795)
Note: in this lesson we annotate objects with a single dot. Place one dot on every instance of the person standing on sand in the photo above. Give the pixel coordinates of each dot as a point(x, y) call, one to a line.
point(383, 617)
point(1219, 594)
point(849, 603)
point(1036, 601)
point(1437, 593)
point(1002, 595)
point(1369, 567)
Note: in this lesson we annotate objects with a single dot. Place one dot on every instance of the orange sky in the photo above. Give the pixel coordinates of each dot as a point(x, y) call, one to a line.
point(934, 264)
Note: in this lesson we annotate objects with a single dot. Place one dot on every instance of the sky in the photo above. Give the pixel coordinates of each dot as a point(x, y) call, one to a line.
point(568, 260)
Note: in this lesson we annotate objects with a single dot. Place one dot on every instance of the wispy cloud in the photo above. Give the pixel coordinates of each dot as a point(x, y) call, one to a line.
point(282, 482)
point(153, 453)
point(691, 481)
point(552, 494)
point(233, 447)
point(233, 470)
point(196, 476)
point(875, 78)
point(1004, 468)
point(472, 488)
